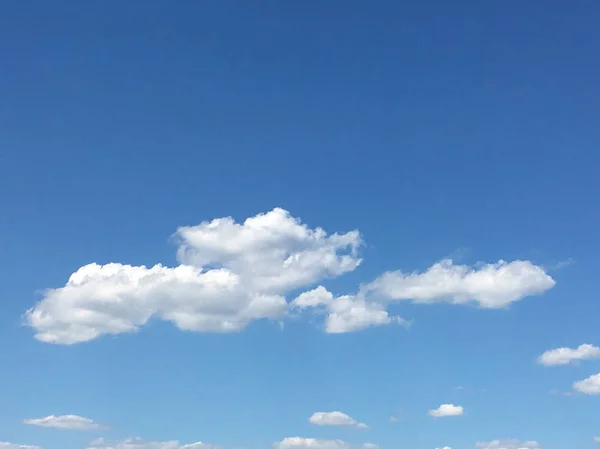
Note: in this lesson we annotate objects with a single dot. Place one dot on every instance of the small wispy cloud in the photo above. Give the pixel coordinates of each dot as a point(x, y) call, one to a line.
point(560, 264)
point(65, 422)
point(7, 445)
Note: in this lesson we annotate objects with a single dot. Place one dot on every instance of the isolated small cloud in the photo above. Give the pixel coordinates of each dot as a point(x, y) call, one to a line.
point(597, 439)
point(591, 385)
point(445, 447)
point(508, 444)
point(6, 445)
point(393, 419)
point(561, 264)
point(564, 356)
point(66, 422)
point(446, 410)
point(313, 443)
point(335, 418)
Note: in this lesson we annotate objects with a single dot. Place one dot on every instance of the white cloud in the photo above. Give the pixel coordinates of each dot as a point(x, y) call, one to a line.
point(489, 285)
point(393, 419)
point(272, 252)
point(591, 385)
point(346, 313)
point(508, 444)
point(445, 447)
point(564, 356)
point(312, 443)
point(446, 410)
point(115, 298)
point(351, 313)
point(6, 445)
point(231, 274)
point(597, 439)
point(335, 418)
point(138, 443)
point(317, 297)
point(71, 422)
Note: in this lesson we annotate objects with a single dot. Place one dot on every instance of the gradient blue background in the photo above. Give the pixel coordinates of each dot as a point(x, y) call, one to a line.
point(436, 128)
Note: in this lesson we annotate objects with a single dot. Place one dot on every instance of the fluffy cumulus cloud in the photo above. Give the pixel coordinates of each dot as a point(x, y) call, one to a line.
point(347, 313)
point(564, 356)
point(488, 285)
point(336, 418)
point(508, 444)
point(231, 274)
point(312, 443)
point(69, 422)
point(446, 410)
point(6, 445)
point(591, 385)
point(138, 443)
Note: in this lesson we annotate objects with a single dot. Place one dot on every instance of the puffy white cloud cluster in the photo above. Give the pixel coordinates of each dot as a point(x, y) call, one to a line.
point(231, 274)
point(564, 356)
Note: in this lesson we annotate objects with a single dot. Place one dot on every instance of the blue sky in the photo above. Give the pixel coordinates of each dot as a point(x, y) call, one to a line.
point(451, 145)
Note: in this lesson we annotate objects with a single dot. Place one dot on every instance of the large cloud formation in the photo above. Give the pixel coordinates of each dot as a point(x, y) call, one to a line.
point(231, 274)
